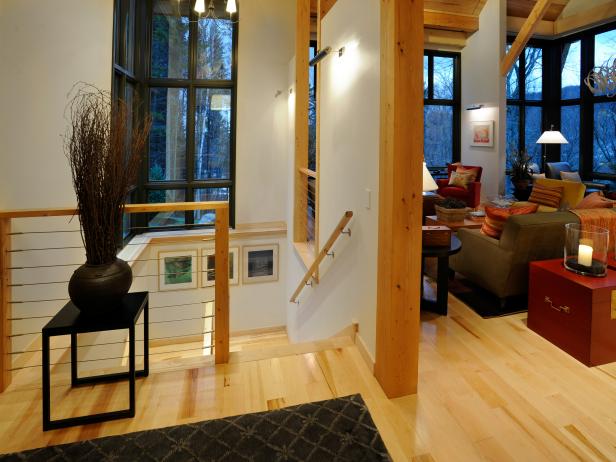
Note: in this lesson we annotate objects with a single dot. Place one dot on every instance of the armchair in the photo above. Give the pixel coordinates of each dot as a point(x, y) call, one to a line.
point(472, 195)
point(553, 169)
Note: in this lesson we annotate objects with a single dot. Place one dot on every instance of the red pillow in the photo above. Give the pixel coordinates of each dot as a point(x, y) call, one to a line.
point(496, 217)
point(595, 201)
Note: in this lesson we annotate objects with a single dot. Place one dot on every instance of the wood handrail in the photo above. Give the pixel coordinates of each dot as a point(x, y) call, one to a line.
point(221, 238)
point(130, 208)
point(322, 254)
point(308, 172)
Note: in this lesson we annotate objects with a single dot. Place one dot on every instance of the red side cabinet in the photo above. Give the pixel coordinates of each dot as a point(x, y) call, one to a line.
point(576, 313)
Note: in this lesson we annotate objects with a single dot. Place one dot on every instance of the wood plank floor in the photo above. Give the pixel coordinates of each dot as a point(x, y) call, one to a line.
point(489, 390)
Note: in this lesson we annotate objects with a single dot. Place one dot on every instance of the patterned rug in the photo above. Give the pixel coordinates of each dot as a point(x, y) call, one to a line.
point(338, 429)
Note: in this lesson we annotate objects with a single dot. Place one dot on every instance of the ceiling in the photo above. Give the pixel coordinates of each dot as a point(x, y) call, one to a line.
point(522, 9)
point(472, 7)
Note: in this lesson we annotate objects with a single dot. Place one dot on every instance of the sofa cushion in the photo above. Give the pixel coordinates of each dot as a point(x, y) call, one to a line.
point(544, 195)
point(496, 217)
point(595, 200)
point(461, 179)
point(472, 171)
point(453, 191)
point(573, 192)
point(571, 176)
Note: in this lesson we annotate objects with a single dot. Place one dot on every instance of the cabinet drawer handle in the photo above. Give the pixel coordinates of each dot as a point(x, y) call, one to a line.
point(561, 309)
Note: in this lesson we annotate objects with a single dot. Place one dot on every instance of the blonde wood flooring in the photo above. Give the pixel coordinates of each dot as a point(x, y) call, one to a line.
point(489, 390)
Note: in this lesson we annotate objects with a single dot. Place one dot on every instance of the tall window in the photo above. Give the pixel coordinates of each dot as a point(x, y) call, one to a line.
point(525, 104)
point(184, 67)
point(441, 108)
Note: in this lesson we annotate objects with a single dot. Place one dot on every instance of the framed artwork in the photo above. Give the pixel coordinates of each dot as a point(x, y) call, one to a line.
point(178, 270)
point(482, 134)
point(260, 263)
point(208, 263)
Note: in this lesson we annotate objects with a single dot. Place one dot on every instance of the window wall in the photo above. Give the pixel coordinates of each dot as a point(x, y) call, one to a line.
point(182, 66)
point(441, 108)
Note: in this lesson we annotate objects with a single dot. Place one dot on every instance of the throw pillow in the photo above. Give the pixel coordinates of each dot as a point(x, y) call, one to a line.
point(461, 180)
point(496, 217)
point(473, 171)
point(595, 201)
point(537, 176)
point(571, 176)
point(543, 195)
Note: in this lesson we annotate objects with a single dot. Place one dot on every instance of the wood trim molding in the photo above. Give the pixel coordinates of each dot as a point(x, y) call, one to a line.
point(221, 288)
point(436, 38)
point(400, 196)
point(5, 305)
point(526, 32)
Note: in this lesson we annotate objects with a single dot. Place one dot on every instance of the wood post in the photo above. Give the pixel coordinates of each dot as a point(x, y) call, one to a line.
point(302, 68)
point(400, 196)
point(5, 306)
point(221, 319)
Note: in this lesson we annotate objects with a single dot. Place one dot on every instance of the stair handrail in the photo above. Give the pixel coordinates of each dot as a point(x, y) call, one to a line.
point(340, 229)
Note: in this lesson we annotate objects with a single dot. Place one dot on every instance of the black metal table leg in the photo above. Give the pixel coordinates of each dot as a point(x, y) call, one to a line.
point(46, 384)
point(442, 285)
point(74, 372)
point(131, 370)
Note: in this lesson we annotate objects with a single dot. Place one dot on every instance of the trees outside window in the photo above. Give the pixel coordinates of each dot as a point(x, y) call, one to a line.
point(184, 70)
point(441, 108)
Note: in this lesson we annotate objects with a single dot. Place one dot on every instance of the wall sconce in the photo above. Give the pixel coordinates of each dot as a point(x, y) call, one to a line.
point(320, 56)
point(474, 107)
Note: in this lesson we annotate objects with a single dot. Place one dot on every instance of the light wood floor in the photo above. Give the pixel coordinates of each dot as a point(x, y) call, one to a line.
point(489, 390)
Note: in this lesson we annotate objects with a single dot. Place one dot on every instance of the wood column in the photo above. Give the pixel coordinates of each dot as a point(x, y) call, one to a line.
point(302, 67)
point(5, 306)
point(400, 196)
point(221, 319)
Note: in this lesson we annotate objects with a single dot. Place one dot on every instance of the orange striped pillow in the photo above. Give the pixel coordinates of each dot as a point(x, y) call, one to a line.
point(543, 195)
point(496, 217)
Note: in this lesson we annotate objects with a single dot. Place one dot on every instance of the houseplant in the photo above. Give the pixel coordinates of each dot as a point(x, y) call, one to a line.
point(104, 155)
point(451, 209)
point(520, 174)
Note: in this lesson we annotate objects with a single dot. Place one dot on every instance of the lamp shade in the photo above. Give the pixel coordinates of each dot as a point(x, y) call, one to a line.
point(428, 182)
point(552, 137)
point(200, 6)
point(231, 6)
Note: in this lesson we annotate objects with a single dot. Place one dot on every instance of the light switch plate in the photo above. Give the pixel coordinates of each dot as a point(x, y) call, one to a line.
point(368, 203)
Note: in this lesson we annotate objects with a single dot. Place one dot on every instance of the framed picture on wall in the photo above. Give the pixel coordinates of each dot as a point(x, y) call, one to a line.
point(178, 270)
point(260, 263)
point(482, 133)
point(208, 263)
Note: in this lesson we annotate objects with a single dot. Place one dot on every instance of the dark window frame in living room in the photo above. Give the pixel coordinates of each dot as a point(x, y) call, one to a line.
point(132, 37)
point(454, 103)
point(553, 102)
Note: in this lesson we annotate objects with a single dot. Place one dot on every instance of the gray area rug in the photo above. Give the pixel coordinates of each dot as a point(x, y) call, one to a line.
point(334, 430)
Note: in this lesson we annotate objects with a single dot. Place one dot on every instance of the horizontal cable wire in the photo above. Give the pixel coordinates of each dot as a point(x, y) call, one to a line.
point(110, 343)
point(212, 346)
point(139, 324)
point(36, 249)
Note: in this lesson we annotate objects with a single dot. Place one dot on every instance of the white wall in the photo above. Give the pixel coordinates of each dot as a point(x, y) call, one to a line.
point(45, 48)
point(266, 44)
point(348, 166)
point(483, 84)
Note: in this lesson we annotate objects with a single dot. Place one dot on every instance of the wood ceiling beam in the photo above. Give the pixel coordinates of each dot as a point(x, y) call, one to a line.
point(451, 21)
point(528, 29)
point(544, 28)
point(325, 6)
point(435, 38)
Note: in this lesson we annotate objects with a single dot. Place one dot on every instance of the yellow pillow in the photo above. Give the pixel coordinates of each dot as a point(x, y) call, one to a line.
point(461, 179)
point(573, 192)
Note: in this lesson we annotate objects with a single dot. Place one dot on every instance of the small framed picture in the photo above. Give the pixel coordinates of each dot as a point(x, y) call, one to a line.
point(260, 263)
point(208, 263)
point(178, 270)
point(482, 134)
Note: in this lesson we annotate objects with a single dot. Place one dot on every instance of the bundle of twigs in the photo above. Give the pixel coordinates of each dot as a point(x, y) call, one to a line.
point(104, 148)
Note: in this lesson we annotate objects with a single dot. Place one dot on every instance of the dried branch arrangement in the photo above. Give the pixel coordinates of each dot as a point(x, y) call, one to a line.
point(104, 149)
point(602, 80)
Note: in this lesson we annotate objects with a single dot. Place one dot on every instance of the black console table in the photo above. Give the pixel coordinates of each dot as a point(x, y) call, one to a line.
point(69, 321)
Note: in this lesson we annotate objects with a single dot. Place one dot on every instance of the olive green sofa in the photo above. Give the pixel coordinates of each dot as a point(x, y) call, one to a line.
point(502, 266)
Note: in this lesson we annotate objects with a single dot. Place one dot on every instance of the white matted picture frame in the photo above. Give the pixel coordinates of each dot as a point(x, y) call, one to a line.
point(178, 270)
point(482, 133)
point(208, 265)
point(259, 263)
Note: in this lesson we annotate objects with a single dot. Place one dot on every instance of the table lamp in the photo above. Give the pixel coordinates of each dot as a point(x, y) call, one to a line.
point(550, 136)
point(428, 182)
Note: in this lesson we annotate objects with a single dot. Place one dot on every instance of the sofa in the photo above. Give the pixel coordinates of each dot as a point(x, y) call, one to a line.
point(502, 266)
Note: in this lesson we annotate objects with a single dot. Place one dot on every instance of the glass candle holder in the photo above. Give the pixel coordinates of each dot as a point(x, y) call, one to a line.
point(586, 249)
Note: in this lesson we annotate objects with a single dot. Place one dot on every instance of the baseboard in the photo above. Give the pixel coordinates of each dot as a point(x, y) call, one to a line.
point(173, 341)
point(260, 331)
point(349, 331)
point(364, 352)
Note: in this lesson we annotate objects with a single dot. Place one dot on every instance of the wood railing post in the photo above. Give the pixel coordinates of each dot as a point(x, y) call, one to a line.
point(5, 306)
point(221, 319)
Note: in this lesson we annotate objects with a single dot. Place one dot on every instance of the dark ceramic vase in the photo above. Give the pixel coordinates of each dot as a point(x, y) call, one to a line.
point(96, 289)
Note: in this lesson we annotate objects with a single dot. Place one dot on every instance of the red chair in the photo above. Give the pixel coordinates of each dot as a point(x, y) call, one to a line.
point(472, 195)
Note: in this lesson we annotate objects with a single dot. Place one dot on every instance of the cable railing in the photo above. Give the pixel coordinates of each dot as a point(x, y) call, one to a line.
point(309, 278)
point(36, 262)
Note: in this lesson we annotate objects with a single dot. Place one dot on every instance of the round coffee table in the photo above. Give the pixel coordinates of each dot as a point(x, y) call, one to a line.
point(442, 274)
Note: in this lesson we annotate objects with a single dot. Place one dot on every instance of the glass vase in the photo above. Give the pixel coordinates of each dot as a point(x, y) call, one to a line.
point(586, 249)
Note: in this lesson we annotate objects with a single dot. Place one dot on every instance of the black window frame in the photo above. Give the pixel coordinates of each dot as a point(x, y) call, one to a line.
point(140, 77)
point(455, 103)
